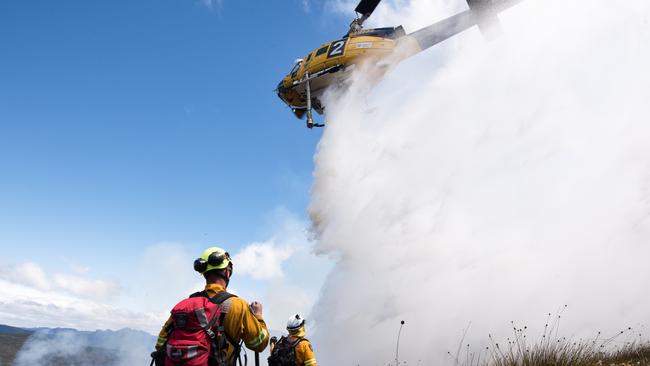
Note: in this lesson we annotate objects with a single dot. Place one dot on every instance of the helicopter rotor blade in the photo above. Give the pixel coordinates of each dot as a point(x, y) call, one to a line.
point(366, 7)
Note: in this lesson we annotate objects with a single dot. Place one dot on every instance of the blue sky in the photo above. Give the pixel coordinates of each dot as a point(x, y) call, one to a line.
point(125, 124)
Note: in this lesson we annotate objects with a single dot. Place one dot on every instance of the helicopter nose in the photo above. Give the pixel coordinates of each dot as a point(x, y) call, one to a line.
point(281, 90)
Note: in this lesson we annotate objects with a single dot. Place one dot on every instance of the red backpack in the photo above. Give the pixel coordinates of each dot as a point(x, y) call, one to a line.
point(197, 337)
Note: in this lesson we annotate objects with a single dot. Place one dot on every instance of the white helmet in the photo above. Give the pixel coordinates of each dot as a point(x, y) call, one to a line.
point(295, 322)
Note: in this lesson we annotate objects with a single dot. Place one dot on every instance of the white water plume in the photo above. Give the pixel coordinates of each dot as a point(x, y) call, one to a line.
point(488, 183)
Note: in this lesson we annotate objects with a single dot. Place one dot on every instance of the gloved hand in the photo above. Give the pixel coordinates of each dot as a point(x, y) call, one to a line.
point(256, 309)
point(158, 358)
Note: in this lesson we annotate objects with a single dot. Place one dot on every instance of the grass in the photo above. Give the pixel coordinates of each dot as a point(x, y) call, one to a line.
point(551, 350)
point(565, 352)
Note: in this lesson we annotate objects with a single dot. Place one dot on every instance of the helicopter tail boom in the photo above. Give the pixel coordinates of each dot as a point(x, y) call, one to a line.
point(486, 17)
point(483, 13)
point(440, 31)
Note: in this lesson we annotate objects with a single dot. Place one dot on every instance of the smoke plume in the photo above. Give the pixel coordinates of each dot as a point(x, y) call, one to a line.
point(485, 183)
point(69, 347)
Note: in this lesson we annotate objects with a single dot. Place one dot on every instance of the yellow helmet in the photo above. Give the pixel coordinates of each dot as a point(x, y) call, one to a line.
point(212, 258)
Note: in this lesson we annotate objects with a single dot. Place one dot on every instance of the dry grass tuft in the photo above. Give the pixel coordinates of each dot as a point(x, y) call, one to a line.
point(551, 350)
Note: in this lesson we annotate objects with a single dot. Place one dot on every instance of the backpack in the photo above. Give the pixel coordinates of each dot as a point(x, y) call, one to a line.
point(198, 337)
point(284, 353)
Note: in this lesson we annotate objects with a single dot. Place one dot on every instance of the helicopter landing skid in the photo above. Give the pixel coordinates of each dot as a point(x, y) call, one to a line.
point(311, 124)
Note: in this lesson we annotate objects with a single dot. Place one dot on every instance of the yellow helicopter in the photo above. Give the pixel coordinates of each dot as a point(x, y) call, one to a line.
point(331, 63)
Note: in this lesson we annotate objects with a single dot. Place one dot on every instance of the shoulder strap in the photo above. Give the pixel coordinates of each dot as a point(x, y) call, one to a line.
point(296, 343)
point(217, 315)
point(221, 297)
point(200, 294)
point(216, 299)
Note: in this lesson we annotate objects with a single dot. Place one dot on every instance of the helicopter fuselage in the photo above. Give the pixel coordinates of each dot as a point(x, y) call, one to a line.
point(331, 63)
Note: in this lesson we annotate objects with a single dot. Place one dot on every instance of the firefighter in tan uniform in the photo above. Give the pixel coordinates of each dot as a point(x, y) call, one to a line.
point(294, 349)
point(240, 321)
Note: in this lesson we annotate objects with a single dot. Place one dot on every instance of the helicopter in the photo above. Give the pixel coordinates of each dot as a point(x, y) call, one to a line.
point(332, 63)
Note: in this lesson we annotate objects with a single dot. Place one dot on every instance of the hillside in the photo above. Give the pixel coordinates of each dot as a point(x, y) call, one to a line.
point(10, 343)
point(6, 329)
point(59, 346)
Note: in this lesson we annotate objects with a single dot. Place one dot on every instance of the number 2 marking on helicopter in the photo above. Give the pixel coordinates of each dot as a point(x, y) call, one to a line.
point(337, 48)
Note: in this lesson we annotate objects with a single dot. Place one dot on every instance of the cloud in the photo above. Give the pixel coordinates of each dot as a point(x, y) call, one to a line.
point(27, 306)
point(30, 296)
point(163, 275)
point(283, 273)
point(29, 274)
point(32, 275)
point(262, 261)
point(85, 287)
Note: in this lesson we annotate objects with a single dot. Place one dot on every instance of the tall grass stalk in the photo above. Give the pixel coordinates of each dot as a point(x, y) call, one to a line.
point(552, 350)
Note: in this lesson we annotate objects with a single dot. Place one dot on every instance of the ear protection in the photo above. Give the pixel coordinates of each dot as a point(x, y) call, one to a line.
point(215, 259)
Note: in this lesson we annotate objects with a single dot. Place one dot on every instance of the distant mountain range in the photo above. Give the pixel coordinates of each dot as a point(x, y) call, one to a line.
point(6, 329)
point(71, 347)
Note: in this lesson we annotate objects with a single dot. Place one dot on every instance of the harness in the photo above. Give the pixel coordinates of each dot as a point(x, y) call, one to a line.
point(284, 353)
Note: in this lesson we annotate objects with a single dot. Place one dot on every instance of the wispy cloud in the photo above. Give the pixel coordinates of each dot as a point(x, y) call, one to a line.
point(306, 6)
point(30, 274)
point(212, 4)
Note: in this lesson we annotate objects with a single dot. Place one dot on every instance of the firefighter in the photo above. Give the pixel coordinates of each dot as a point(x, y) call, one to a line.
point(295, 349)
point(234, 319)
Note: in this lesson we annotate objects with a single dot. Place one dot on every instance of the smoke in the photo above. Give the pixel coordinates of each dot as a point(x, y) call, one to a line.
point(69, 347)
point(485, 183)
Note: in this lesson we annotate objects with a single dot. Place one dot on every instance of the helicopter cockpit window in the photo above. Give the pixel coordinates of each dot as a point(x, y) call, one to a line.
point(321, 51)
point(295, 69)
point(308, 58)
